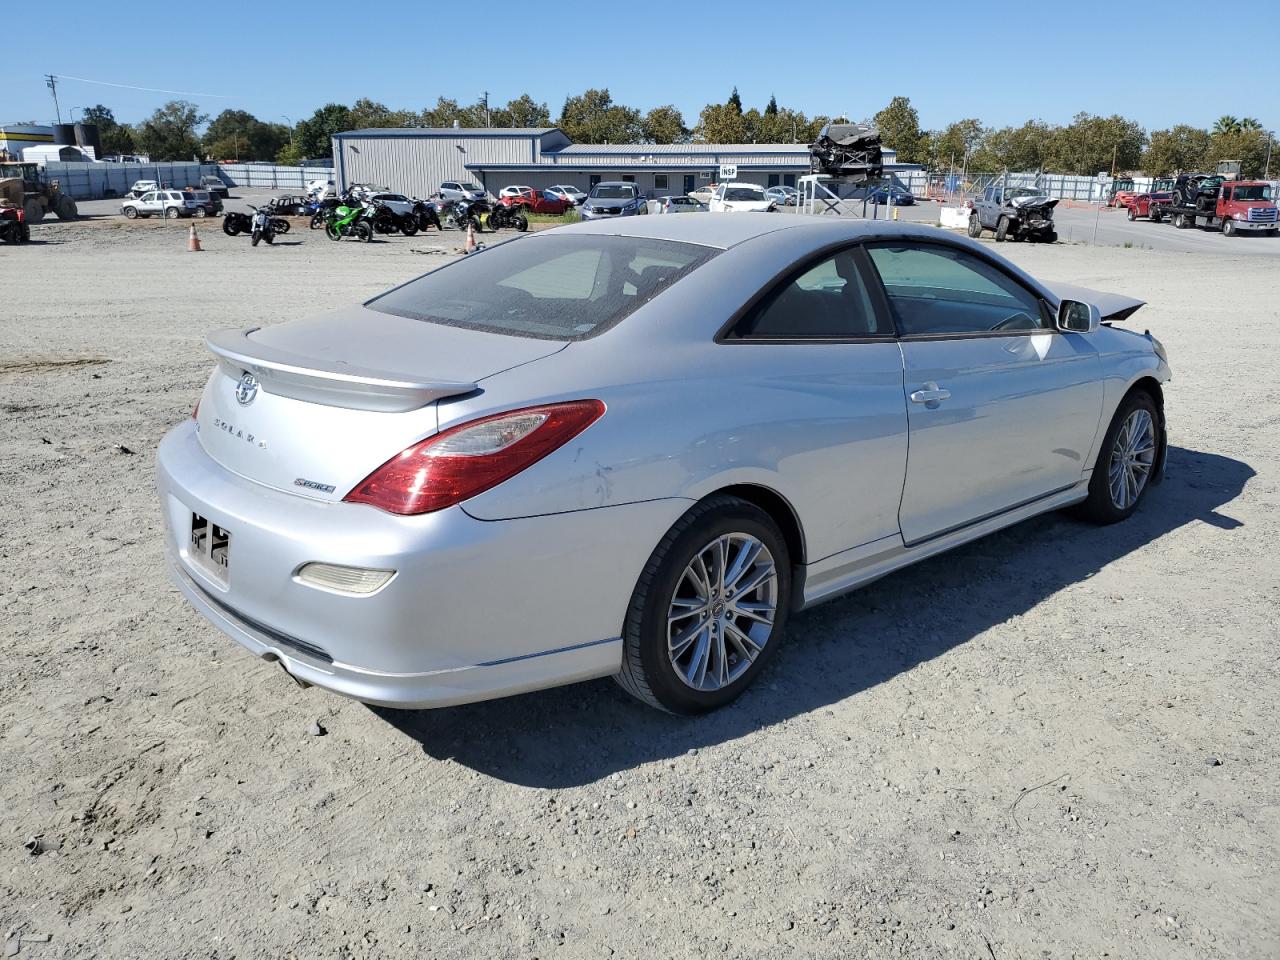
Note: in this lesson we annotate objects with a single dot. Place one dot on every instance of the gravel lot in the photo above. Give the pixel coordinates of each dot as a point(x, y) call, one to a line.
point(1057, 742)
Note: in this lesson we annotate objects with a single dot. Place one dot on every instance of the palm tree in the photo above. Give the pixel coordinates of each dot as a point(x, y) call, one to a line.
point(1250, 123)
point(1226, 124)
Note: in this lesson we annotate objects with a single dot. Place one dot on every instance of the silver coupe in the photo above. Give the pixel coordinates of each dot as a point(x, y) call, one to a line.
point(630, 448)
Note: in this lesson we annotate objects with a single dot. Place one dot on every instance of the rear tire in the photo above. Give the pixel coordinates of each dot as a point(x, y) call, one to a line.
point(171, 213)
point(697, 659)
point(363, 232)
point(201, 212)
point(230, 227)
point(1112, 496)
point(1002, 229)
point(332, 232)
point(408, 225)
point(975, 226)
point(66, 208)
point(520, 222)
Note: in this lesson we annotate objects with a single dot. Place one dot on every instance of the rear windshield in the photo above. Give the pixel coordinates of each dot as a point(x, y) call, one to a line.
point(548, 288)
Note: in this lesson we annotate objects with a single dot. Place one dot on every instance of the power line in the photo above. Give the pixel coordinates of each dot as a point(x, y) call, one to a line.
point(128, 86)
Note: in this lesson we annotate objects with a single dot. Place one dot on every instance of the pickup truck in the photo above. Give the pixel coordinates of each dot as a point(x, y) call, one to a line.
point(1014, 213)
point(1228, 205)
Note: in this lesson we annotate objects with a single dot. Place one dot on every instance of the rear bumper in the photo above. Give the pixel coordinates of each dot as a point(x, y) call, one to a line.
point(477, 609)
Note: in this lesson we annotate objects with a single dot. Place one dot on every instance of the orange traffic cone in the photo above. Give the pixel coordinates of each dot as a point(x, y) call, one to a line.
point(470, 245)
point(193, 241)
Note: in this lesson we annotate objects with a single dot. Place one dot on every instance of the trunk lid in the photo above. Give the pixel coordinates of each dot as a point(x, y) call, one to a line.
point(312, 407)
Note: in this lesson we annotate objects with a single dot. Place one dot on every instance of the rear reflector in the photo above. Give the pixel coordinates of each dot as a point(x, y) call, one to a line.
point(357, 580)
point(471, 458)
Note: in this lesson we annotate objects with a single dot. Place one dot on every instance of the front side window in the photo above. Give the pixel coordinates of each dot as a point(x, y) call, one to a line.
point(550, 288)
point(936, 290)
point(825, 300)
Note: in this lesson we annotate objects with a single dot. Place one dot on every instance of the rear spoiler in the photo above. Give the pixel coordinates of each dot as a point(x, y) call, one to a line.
point(1114, 307)
point(329, 381)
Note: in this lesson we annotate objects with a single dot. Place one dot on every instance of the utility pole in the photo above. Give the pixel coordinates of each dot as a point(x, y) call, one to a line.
point(51, 82)
point(486, 109)
point(1266, 174)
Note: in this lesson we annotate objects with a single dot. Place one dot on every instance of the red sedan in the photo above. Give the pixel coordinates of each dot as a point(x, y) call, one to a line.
point(536, 201)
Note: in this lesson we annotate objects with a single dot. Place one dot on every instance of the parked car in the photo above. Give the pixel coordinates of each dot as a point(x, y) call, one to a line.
point(893, 195)
point(740, 197)
point(613, 199)
point(564, 191)
point(783, 196)
point(1014, 213)
point(1150, 205)
point(215, 186)
point(397, 203)
point(160, 203)
point(676, 205)
point(207, 203)
point(144, 186)
point(653, 440)
point(461, 190)
point(513, 191)
point(535, 201)
point(703, 194)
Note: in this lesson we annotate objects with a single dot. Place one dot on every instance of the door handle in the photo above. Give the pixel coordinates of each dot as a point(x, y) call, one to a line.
point(930, 394)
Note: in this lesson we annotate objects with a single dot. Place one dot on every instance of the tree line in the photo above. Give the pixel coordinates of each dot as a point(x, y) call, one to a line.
point(1087, 145)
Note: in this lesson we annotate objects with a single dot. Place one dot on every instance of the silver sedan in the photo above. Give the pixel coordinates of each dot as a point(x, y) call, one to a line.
point(632, 448)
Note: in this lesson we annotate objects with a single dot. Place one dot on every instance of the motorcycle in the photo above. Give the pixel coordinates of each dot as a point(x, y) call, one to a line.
point(321, 209)
point(348, 219)
point(234, 224)
point(386, 220)
point(504, 216)
point(263, 226)
point(426, 213)
point(461, 214)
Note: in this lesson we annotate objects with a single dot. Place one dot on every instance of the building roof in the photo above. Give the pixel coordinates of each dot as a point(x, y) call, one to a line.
point(688, 149)
point(447, 132)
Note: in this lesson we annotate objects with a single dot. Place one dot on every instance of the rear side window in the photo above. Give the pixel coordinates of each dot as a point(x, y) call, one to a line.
point(936, 290)
point(550, 288)
point(825, 300)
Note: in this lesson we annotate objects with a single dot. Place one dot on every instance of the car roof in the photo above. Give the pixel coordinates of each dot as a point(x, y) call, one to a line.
point(725, 230)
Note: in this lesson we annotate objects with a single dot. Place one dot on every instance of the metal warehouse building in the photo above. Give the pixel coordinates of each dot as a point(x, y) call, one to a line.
point(415, 161)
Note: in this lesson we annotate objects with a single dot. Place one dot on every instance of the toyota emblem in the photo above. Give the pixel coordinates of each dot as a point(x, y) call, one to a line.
point(246, 389)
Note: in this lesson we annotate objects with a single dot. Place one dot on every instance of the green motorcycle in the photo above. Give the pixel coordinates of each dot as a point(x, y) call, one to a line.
point(349, 219)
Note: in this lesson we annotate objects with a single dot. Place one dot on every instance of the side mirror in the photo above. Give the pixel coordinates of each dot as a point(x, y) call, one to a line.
point(1077, 317)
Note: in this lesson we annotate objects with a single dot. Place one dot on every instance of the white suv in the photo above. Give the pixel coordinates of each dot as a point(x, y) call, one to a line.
point(165, 203)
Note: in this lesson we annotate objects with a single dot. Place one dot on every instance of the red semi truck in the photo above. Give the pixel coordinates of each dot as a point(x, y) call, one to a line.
point(1211, 201)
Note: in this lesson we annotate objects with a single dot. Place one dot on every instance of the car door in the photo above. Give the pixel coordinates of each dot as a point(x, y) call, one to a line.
point(150, 203)
point(1002, 408)
point(820, 376)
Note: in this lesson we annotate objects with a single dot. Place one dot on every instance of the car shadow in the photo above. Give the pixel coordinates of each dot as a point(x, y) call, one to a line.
point(578, 734)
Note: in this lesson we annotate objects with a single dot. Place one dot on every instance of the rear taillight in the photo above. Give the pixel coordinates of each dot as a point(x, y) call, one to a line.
point(473, 457)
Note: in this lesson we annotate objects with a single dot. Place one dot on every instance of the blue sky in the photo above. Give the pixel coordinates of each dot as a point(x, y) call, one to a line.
point(854, 59)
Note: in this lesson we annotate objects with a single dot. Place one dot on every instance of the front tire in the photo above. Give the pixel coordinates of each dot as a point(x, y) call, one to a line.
point(363, 232)
point(1131, 213)
point(1002, 229)
point(131, 213)
point(709, 609)
point(1127, 462)
point(520, 222)
point(975, 226)
point(1228, 228)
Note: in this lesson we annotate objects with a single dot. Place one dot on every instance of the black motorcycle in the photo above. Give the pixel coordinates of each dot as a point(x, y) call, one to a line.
point(504, 216)
point(426, 213)
point(385, 220)
point(462, 214)
point(234, 224)
point(322, 210)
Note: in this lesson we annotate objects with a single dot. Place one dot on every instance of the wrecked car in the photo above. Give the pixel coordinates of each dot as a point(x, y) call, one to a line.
point(850, 151)
point(1014, 213)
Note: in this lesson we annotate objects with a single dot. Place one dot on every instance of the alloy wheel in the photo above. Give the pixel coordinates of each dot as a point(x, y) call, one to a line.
point(722, 612)
point(1132, 457)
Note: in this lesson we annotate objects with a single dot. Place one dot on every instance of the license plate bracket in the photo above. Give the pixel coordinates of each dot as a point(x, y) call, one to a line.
point(209, 547)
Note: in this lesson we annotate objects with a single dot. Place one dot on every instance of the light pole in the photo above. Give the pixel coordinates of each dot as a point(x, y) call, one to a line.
point(1266, 174)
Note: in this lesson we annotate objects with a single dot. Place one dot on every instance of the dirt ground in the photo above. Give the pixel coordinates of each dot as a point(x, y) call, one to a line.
point(1057, 742)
